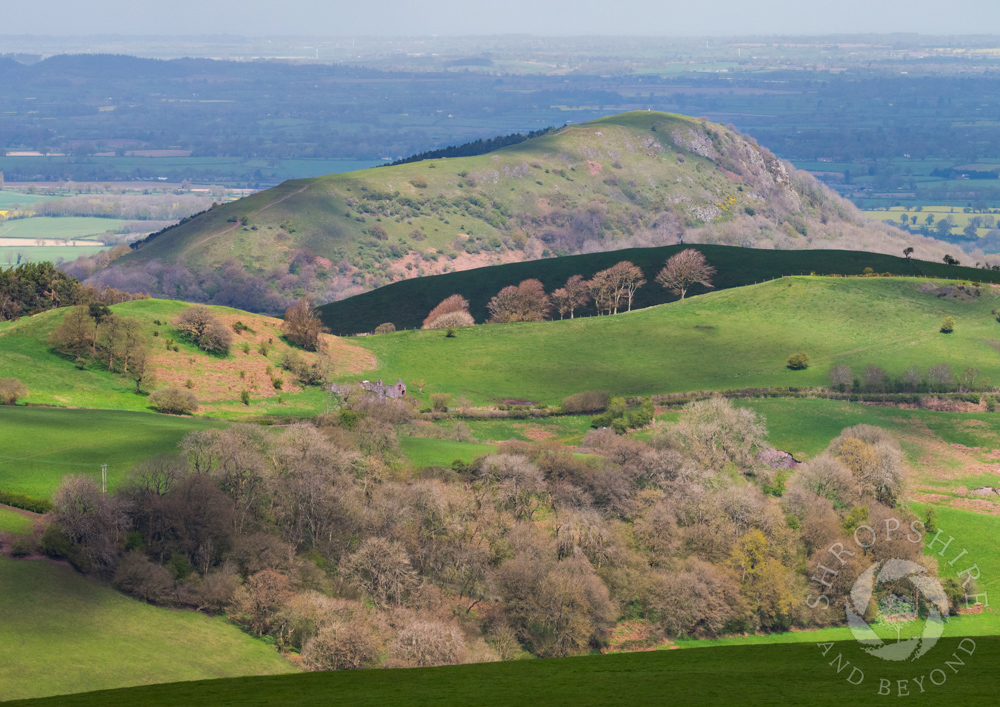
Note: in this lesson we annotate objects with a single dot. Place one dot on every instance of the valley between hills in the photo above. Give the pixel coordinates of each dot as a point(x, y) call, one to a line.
point(563, 502)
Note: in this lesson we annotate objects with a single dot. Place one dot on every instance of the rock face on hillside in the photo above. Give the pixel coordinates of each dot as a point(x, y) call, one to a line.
point(636, 179)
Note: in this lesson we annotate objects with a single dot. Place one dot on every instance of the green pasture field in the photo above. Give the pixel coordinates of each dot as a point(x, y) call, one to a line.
point(738, 675)
point(977, 533)
point(424, 452)
point(233, 169)
point(8, 198)
point(737, 338)
point(408, 302)
point(68, 227)
point(13, 521)
point(958, 216)
point(568, 429)
point(61, 632)
point(39, 446)
point(947, 452)
point(806, 426)
point(39, 254)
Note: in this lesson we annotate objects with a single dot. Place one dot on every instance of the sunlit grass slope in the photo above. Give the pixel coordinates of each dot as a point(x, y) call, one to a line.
point(39, 446)
point(474, 196)
point(805, 427)
point(61, 632)
point(732, 339)
point(217, 381)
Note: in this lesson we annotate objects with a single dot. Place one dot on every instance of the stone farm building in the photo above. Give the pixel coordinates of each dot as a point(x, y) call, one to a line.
point(386, 390)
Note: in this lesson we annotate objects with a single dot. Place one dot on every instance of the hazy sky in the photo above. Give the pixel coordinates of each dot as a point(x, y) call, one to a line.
point(538, 17)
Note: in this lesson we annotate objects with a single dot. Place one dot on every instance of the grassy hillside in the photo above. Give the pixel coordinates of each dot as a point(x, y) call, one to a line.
point(476, 196)
point(947, 455)
point(39, 446)
point(61, 632)
point(731, 339)
point(406, 303)
point(976, 533)
point(635, 179)
point(15, 521)
point(743, 675)
point(805, 427)
point(54, 379)
point(422, 451)
point(734, 338)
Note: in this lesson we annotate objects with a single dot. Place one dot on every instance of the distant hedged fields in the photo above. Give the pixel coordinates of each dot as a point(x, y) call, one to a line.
point(119, 104)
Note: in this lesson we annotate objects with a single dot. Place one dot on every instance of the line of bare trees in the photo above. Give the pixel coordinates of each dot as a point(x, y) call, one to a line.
point(611, 290)
point(939, 378)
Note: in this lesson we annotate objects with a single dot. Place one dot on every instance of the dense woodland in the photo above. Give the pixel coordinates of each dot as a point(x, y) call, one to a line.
point(317, 534)
point(31, 288)
point(476, 147)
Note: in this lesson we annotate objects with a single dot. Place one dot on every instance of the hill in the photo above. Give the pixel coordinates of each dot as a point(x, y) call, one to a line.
point(406, 303)
point(217, 381)
point(61, 632)
point(736, 338)
point(635, 179)
point(739, 675)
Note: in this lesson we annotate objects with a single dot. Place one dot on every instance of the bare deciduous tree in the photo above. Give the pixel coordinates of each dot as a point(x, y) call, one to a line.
point(77, 333)
point(525, 303)
point(874, 458)
point(381, 568)
point(875, 379)
point(560, 302)
point(94, 522)
point(11, 390)
point(571, 297)
point(685, 269)
point(454, 303)
point(940, 378)
point(344, 645)
point(697, 601)
point(627, 279)
point(615, 288)
point(452, 319)
point(518, 483)
point(174, 400)
point(826, 477)
point(714, 432)
point(911, 379)
point(259, 600)
point(302, 325)
point(423, 643)
point(604, 292)
point(502, 306)
point(206, 330)
point(841, 377)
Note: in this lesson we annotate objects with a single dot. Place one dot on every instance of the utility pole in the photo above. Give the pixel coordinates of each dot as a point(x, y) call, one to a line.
point(104, 479)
